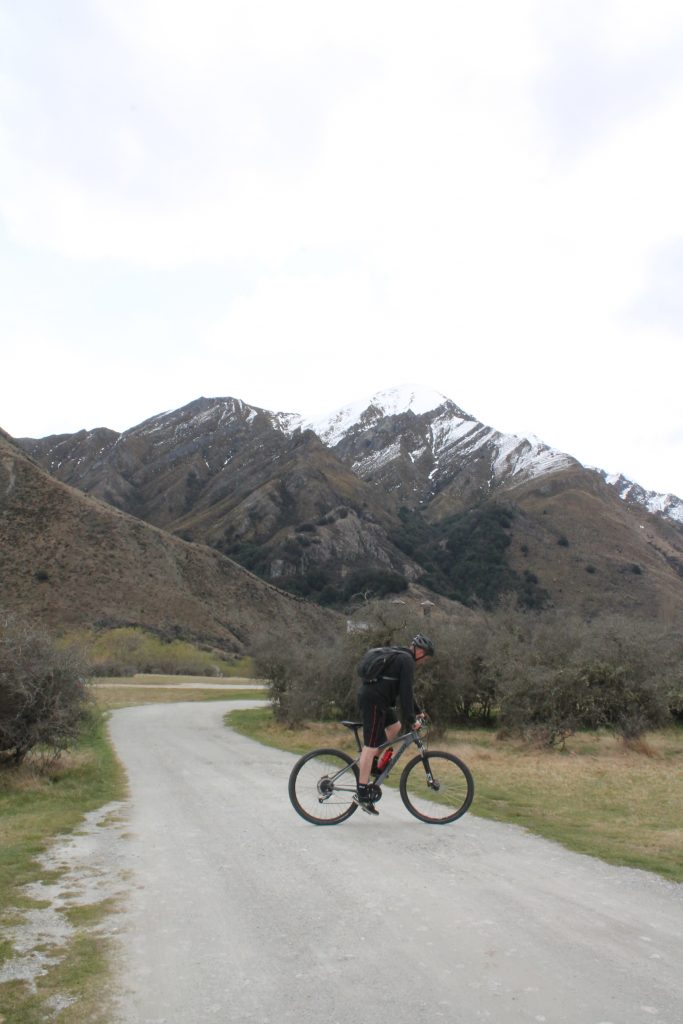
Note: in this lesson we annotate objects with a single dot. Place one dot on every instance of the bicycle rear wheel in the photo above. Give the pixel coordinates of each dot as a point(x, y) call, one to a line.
point(437, 787)
point(321, 786)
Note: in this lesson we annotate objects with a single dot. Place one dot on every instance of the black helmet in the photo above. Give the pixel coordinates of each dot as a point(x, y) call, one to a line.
point(424, 642)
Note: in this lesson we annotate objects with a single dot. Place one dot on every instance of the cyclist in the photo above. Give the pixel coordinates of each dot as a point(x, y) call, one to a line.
point(377, 705)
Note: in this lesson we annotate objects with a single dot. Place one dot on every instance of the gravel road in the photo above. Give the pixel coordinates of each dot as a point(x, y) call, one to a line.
point(240, 911)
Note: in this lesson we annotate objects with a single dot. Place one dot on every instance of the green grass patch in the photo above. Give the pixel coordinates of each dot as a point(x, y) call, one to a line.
point(120, 694)
point(89, 914)
point(38, 802)
point(72, 991)
point(599, 796)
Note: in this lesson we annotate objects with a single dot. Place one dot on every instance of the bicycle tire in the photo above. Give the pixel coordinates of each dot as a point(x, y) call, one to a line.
point(312, 791)
point(455, 790)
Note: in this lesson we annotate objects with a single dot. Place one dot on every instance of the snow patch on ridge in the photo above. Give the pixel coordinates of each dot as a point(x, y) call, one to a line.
point(392, 402)
point(377, 459)
point(518, 456)
point(668, 505)
point(449, 430)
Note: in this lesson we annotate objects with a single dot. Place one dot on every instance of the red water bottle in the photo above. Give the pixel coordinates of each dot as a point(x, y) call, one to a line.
point(385, 759)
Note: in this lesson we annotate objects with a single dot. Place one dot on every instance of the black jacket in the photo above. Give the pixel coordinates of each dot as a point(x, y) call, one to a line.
point(397, 684)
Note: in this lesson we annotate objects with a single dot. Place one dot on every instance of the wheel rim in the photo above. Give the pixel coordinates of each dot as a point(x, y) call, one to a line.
point(317, 795)
point(447, 798)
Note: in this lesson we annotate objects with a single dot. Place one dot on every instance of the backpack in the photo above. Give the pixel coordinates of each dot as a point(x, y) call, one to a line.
point(375, 662)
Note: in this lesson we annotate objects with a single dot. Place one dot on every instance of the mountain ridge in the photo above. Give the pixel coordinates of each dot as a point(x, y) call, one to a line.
point(374, 496)
point(520, 454)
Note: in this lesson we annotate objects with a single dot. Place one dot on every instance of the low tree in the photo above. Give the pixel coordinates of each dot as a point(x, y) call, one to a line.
point(458, 686)
point(560, 674)
point(43, 695)
point(307, 681)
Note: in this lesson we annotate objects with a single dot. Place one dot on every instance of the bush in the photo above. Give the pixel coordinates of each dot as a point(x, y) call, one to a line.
point(459, 685)
point(376, 583)
point(129, 649)
point(551, 707)
point(43, 695)
point(540, 676)
point(560, 675)
point(309, 683)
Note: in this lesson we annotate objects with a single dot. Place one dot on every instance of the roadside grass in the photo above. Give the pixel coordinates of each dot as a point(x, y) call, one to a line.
point(41, 800)
point(73, 991)
point(38, 802)
point(599, 796)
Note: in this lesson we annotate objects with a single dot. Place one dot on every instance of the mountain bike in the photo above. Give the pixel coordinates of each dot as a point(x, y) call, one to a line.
point(435, 786)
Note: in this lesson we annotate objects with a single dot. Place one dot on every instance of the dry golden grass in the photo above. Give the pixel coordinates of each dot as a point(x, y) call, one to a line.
point(599, 796)
point(158, 679)
point(128, 691)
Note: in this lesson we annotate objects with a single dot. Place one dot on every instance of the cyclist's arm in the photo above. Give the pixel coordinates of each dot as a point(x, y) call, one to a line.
point(411, 709)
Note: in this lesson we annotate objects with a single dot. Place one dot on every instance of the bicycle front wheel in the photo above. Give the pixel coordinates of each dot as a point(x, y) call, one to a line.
point(437, 787)
point(322, 785)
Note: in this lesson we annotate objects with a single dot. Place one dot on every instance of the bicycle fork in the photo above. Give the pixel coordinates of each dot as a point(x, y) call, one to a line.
point(432, 783)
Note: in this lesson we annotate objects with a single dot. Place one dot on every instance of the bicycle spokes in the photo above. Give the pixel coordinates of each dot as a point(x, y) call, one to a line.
point(436, 787)
point(322, 785)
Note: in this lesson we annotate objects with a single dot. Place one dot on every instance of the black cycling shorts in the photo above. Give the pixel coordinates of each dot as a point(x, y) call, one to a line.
point(376, 715)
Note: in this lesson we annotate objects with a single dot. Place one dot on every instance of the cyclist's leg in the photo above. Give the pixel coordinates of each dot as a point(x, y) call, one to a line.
point(373, 710)
point(392, 729)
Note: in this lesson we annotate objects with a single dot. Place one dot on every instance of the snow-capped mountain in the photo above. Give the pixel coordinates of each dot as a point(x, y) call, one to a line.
point(666, 505)
point(414, 441)
point(444, 436)
point(419, 440)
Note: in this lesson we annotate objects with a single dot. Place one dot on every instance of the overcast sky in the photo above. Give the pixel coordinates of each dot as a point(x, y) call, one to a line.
point(299, 204)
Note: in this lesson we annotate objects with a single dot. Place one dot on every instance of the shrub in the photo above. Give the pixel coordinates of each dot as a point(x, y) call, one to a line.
point(560, 674)
point(542, 676)
point(43, 695)
point(459, 685)
point(465, 556)
point(675, 700)
point(128, 649)
point(309, 683)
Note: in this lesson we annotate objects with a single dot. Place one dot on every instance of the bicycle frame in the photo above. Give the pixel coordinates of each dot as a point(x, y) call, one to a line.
point(405, 740)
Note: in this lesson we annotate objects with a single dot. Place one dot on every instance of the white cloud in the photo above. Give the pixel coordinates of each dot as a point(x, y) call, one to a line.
point(476, 193)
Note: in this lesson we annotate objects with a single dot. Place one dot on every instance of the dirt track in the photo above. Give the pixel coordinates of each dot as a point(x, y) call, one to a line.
point(240, 911)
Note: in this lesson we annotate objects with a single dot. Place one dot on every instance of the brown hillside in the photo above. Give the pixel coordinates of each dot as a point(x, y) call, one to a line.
point(68, 559)
point(593, 552)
